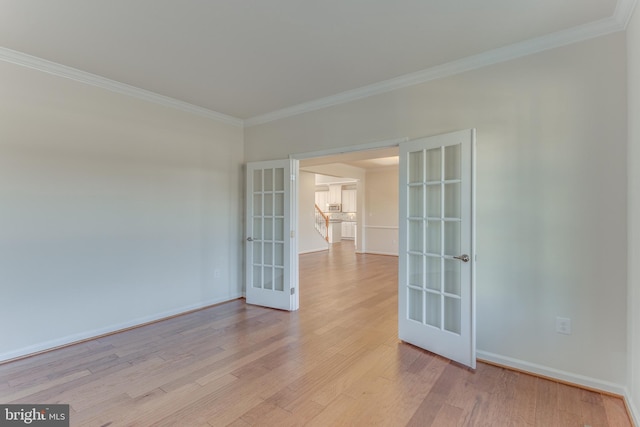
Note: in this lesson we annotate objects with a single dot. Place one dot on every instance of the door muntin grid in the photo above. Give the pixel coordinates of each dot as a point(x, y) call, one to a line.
point(268, 233)
point(434, 237)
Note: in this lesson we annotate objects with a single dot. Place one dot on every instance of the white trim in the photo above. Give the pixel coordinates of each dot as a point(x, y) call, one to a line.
point(309, 251)
point(561, 38)
point(378, 253)
point(388, 143)
point(383, 227)
point(546, 371)
point(474, 253)
point(624, 11)
point(59, 70)
point(87, 335)
point(633, 411)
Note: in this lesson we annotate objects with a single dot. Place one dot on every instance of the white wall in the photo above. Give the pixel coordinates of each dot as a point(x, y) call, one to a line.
point(633, 159)
point(381, 211)
point(551, 190)
point(114, 211)
point(309, 240)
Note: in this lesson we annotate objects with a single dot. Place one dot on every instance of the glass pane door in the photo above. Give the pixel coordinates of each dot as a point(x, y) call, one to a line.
point(435, 274)
point(269, 256)
point(268, 229)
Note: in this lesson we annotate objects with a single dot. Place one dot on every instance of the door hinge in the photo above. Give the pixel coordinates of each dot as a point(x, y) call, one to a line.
point(292, 234)
point(293, 291)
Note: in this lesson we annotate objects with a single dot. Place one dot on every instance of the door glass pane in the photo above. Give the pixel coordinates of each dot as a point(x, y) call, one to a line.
point(268, 229)
point(434, 161)
point(278, 179)
point(415, 231)
point(257, 180)
point(268, 278)
point(257, 204)
point(452, 238)
point(278, 204)
point(414, 300)
point(278, 279)
point(433, 309)
point(452, 276)
point(416, 201)
point(257, 276)
point(452, 166)
point(452, 200)
point(433, 237)
point(433, 272)
point(416, 166)
point(257, 253)
point(433, 201)
point(278, 254)
point(452, 314)
point(257, 229)
point(268, 204)
point(278, 232)
point(415, 270)
point(268, 180)
point(268, 254)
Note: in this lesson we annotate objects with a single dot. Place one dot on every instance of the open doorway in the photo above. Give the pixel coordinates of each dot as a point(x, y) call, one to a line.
point(349, 199)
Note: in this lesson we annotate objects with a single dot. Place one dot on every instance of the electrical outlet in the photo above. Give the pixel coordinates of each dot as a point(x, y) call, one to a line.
point(216, 273)
point(563, 325)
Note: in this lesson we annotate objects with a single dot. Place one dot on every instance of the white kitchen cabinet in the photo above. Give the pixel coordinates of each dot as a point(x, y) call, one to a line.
point(322, 199)
point(348, 230)
point(349, 200)
point(335, 193)
point(335, 231)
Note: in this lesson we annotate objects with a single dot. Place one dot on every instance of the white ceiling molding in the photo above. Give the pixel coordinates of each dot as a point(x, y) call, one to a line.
point(599, 28)
point(624, 11)
point(39, 64)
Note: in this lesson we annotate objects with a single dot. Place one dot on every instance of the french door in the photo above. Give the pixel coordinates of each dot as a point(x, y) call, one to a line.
point(437, 248)
point(271, 259)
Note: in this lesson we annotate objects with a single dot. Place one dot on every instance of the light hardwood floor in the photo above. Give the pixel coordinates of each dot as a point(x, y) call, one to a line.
point(337, 361)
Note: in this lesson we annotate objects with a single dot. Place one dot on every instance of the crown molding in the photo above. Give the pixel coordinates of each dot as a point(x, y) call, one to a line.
point(624, 11)
point(49, 67)
point(615, 23)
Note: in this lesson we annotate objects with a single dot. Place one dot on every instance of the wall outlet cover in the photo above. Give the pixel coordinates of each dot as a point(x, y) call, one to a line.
point(563, 325)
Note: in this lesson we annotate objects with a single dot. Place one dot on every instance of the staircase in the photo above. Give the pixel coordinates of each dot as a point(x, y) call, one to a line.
point(322, 224)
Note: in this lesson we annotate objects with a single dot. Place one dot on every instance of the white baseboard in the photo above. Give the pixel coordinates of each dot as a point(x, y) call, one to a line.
point(557, 374)
point(379, 253)
point(86, 335)
point(308, 251)
point(567, 377)
point(633, 410)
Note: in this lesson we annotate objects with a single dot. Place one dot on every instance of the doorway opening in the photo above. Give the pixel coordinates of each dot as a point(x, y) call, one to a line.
point(349, 199)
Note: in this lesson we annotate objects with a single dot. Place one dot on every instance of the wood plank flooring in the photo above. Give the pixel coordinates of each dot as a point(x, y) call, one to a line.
point(336, 362)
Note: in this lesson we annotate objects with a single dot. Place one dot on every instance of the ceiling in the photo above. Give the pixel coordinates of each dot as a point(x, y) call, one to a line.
point(249, 58)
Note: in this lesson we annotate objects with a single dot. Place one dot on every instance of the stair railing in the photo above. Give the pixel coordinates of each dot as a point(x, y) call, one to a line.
point(322, 223)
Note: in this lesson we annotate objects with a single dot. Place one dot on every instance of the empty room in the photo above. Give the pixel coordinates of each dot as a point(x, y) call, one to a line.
point(163, 260)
